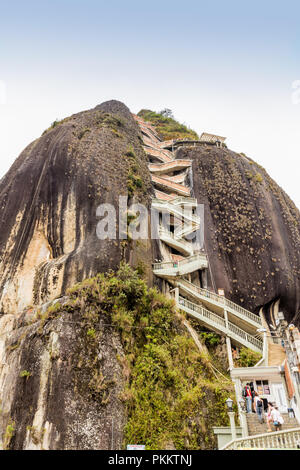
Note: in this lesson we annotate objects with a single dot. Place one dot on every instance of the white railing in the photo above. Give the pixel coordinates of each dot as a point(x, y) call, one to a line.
point(246, 336)
point(203, 312)
point(265, 353)
point(185, 229)
point(175, 179)
point(166, 143)
point(183, 262)
point(226, 327)
point(187, 246)
point(161, 196)
point(180, 212)
point(289, 439)
point(220, 300)
point(177, 200)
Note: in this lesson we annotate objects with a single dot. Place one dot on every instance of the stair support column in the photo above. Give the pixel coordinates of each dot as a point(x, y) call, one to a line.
point(242, 414)
point(229, 353)
point(232, 425)
point(228, 344)
point(176, 295)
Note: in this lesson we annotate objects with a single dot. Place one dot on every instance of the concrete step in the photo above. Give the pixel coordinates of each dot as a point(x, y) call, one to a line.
point(276, 354)
point(287, 419)
point(255, 427)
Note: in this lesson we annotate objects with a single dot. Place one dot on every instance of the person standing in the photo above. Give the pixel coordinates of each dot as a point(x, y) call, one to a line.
point(269, 417)
point(259, 407)
point(248, 395)
point(253, 395)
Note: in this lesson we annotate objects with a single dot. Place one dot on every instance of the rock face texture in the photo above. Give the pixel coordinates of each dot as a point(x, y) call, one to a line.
point(40, 373)
point(49, 199)
point(252, 231)
point(48, 242)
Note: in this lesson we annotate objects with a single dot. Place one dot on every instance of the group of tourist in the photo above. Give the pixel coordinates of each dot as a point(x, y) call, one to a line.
point(262, 407)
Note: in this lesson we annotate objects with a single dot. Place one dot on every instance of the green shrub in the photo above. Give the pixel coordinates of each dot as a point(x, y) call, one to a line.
point(248, 358)
point(210, 338)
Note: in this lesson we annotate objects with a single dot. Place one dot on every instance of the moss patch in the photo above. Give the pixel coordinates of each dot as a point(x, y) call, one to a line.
point(135, 183)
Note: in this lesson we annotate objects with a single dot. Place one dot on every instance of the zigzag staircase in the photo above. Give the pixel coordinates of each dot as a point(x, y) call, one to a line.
point(181, 255)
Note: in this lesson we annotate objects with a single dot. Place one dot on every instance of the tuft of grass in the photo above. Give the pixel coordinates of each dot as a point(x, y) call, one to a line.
point(258, 178)
point(56, 123)
point(9, 434)
point(210, 338)
point(25, 374)
point(91, 332)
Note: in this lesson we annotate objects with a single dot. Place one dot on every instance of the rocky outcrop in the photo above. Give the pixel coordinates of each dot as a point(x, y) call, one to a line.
point(49, 199)
point(43, 362)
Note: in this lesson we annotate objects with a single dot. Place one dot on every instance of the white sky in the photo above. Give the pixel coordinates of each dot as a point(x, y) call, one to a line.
point(267, 132)
point(218, 65)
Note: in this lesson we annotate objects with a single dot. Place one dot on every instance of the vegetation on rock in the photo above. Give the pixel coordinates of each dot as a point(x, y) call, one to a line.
point(8, 435)
point(134, 180)
point(170, 395)
point(248, 358)
point(167, 127)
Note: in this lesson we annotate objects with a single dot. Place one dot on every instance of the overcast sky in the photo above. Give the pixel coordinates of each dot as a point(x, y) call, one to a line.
point(226, 67)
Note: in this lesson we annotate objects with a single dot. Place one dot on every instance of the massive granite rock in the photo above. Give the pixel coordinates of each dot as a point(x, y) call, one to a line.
point(48, 242)
point(49, 200)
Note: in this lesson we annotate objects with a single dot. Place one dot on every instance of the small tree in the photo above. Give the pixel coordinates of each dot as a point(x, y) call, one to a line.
point(167, 113)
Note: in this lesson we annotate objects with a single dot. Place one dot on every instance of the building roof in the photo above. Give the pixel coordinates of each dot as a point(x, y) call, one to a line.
point(205, 137)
